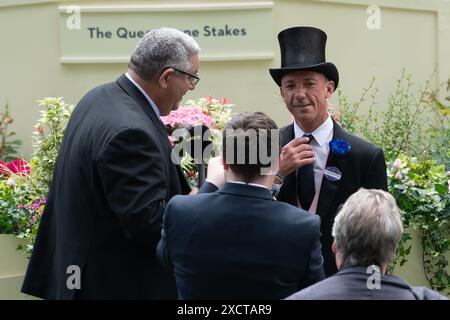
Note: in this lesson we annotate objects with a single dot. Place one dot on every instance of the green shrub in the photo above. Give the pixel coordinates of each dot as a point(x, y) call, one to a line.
point(24, 189)
point(414, 135)
point(8, 148)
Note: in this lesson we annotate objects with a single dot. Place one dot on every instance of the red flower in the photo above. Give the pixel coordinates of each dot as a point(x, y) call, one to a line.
point(224, 100)
point(39, 130)
point(17, 166)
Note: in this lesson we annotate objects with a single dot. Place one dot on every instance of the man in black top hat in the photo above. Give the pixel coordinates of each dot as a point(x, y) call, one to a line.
point(321, 164)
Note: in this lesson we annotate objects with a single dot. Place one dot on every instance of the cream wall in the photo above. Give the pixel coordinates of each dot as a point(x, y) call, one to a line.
point(414, 34)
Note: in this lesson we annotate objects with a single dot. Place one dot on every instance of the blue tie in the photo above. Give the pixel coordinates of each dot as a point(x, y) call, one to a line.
point(305, 182)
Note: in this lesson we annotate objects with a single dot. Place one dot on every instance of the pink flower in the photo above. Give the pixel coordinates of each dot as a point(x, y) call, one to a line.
point(398, 176)
point(224, 100)
point(448, 182)
point(19, 166)
point(3, 170)
point(172, 140)
point(397, 164)
point(448, 173)
point(187, 116)
point(209, 98)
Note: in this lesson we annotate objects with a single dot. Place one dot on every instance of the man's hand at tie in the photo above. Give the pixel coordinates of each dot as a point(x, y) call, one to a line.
point(295, 154)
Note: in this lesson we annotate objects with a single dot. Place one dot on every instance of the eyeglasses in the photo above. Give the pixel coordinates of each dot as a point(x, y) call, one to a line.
point(193, 79)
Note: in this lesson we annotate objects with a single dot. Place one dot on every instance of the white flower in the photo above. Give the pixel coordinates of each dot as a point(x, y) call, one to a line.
point(397, 164)
point(11, 183)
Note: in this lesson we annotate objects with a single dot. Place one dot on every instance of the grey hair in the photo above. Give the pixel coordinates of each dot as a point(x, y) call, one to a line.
point(162, 48)
point(368, 227)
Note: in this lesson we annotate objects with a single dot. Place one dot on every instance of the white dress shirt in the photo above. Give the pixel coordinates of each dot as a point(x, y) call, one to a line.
point(250, 184)
point(154, 107)
point(322, 137)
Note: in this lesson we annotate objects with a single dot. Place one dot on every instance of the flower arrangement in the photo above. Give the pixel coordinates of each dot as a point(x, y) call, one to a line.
point(207, 111)
point(422, 190)
point(21, 206)
point(23, 185)
point(420, 186)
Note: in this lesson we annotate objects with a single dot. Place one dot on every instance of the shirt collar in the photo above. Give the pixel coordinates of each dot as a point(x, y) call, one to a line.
point(250, 184)
point(320, 134)
point(154, 107)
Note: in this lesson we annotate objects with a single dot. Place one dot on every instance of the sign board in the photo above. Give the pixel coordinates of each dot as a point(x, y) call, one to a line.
point(109, 33)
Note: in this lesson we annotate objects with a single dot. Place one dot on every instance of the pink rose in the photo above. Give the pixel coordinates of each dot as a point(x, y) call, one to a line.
point(209, 98)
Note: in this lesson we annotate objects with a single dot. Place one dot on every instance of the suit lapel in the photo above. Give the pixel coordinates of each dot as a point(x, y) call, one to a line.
point(328, 188)
point(137, 95)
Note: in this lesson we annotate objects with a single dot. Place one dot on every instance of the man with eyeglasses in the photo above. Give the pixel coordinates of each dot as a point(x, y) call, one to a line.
point(113, 178)
point(193, 78)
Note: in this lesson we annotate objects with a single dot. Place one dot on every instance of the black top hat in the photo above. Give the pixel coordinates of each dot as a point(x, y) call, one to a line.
point(303, 48)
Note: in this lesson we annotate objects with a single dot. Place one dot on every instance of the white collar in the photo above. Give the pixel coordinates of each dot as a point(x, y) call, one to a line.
point(154, 107)
point(320, 134)
point(250, 184)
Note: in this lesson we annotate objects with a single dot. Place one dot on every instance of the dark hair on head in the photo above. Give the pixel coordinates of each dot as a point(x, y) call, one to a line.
point(251, 142)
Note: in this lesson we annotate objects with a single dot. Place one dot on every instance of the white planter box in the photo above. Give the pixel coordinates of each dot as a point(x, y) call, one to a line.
point(13, 264)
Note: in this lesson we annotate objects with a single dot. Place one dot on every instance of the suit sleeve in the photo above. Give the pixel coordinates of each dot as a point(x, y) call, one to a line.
point(316, 272)
point(133, 177)
point(162, 251)
point(376, 176)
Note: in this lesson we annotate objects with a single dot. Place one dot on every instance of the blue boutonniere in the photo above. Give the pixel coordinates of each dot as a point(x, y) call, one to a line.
point(339, 147)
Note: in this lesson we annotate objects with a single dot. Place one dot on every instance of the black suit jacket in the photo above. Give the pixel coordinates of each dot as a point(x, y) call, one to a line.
point(239, 243)
point(104, 210)
point(364, 166)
